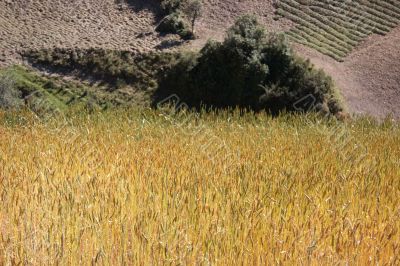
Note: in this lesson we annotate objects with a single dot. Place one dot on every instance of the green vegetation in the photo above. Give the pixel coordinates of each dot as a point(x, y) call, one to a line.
point(125, 78)
point(335, 27)
point(114, 78)
point(250, 69)
point(193, 10)
point(48, 95)
point(170, 6)
point(175, 23)
point(180, 17)
point(113, 67)
point(10, 97)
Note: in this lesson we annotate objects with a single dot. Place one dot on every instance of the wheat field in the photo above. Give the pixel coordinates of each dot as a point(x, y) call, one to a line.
point(143, 187)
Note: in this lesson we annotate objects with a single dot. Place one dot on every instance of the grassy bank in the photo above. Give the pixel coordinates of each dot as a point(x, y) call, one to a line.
point(48, 94)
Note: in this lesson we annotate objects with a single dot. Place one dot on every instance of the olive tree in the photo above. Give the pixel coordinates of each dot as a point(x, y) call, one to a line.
point(193, 10)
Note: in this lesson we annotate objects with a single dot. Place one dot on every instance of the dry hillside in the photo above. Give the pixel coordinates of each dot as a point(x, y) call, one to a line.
point(364, 60)
point(84, 24)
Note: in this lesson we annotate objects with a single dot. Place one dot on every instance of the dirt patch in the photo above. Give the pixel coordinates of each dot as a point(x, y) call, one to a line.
point(218, 15)
point(369, 78)
point(375, 68)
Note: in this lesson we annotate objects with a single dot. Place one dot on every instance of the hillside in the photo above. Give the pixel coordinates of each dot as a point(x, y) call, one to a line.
point(84, 24)
point(336, 28)
point(357, 44)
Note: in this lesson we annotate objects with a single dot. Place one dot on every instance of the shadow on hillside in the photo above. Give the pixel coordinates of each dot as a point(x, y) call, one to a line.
point(140, 5)
point(168, 44)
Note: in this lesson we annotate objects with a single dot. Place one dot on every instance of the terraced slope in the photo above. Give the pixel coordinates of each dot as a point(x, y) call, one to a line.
point(335, 27)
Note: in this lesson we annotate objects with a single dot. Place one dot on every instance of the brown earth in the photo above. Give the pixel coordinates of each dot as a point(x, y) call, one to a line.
point(39, 24)
point(369, 78)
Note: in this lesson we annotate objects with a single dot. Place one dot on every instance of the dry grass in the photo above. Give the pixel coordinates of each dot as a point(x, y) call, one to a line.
point(142, 187)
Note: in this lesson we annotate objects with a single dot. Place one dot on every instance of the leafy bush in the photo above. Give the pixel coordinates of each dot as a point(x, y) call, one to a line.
point(10, 97)
point(250, 69)
point(177, 24)
point(180, 17)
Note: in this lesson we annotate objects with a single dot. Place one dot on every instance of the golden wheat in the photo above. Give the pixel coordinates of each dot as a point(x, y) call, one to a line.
point(146, 187)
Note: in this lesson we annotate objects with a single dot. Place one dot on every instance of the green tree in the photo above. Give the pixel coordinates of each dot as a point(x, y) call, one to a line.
point(193, 10)
point(251, 69)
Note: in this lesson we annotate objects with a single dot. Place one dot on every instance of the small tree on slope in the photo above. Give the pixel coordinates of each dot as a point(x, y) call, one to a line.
point(193, 10)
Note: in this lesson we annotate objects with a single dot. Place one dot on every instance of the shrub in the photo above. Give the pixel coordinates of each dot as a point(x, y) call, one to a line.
point(180, 17)
point(175, 23)
point(9, 96)
point(251, 69)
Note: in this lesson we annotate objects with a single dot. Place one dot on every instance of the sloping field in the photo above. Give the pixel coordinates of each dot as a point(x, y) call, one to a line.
point(375, 68)
point(369, 77)
point(220, 14)
point(84, 24)
point(334, 28)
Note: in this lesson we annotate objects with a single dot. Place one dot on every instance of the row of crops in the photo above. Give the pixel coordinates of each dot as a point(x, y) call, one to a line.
point(335, 27)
